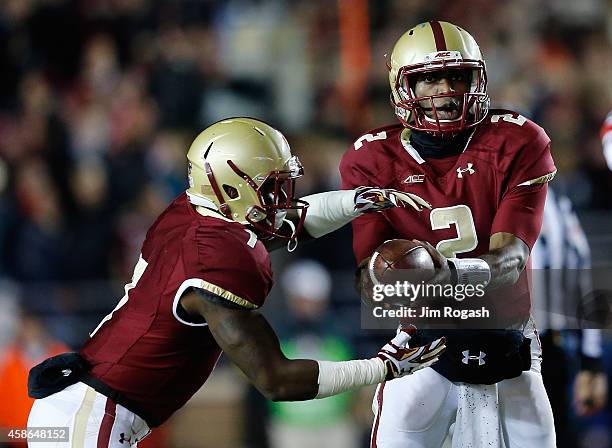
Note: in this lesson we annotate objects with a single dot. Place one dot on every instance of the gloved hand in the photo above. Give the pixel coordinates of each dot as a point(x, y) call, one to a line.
point(400, 359)
point(373, 199)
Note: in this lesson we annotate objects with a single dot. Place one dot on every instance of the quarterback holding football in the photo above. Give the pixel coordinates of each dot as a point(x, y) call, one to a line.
point(203, 272)
point(485, 173)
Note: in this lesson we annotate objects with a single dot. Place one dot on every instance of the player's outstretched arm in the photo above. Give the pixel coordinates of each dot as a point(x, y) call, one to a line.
point(251, 343)
point(330, 210)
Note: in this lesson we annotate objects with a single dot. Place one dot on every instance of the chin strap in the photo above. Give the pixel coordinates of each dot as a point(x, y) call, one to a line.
point(292, 244)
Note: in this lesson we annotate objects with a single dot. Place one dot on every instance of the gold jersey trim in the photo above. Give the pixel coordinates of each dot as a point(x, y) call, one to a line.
point(539, 180)
point(217, 290)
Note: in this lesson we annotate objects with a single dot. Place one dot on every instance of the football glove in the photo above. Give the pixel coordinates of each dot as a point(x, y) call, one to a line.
point(373, 199)
point(402, 360)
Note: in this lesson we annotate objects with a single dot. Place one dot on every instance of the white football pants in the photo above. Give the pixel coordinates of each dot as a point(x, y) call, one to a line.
point(92, 419)
point(417, 411)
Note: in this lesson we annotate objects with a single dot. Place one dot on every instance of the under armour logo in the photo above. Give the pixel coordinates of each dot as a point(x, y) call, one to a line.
point(415, 179)
point(467, 358)
point(468, 170)
point(122, 438)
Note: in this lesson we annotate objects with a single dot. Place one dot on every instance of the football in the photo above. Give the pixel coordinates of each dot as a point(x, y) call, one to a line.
point(401, 260)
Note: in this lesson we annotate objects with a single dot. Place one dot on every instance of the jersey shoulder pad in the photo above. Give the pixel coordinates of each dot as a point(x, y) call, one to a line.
point(512, 129)
point(175, 215)
point(374, 137)
point(367, 160)
point(521, 147)
point(230, 261)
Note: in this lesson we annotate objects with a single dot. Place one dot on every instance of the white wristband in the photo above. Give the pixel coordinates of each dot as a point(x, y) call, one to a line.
point(338, 377)
point(329, 211)
point(470, 271)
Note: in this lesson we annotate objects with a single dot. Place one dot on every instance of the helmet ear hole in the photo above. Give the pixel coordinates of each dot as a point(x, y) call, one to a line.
point(231, 191)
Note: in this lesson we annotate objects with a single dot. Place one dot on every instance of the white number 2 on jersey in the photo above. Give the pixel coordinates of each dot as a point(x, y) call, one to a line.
point(461, 216)
point(138, 271)
point(519, 120)
point(369, 138)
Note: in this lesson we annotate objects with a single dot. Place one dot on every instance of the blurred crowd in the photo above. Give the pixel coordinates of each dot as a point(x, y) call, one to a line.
point(100, 99)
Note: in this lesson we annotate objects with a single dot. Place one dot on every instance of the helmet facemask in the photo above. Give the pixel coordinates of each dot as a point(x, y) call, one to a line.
point(274, 197)
point(410, 109)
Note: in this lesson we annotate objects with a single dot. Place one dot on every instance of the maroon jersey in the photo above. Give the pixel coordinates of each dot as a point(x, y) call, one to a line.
point(147, 348)
point(497, 184)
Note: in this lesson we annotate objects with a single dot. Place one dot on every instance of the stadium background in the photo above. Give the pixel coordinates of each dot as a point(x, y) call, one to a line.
point(99, 100)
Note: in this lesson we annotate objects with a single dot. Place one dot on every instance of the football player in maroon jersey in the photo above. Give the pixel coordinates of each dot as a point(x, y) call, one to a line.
point(485, 173)
point(202, 275)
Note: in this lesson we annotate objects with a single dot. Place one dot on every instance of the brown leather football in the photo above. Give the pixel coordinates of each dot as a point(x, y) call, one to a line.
point(401, 260)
